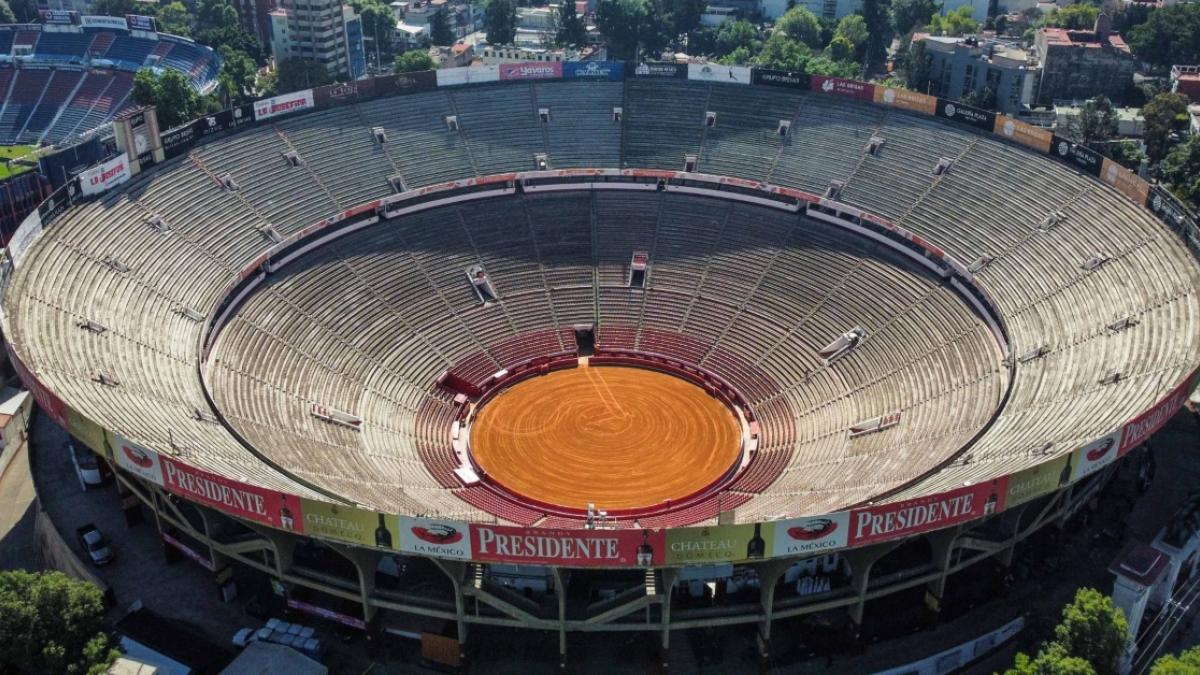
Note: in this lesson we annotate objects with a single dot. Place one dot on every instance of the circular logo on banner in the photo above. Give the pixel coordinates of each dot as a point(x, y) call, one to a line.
point(438, 534)
point(889, 95)
point(1156, 203)
point(1064, 148)
point(1112, 172)
point(1009, 128)
point(950, 110)
point(816, 528)
point(137, 457)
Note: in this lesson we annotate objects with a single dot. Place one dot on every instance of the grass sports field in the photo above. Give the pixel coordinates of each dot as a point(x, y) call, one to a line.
point(8, 152)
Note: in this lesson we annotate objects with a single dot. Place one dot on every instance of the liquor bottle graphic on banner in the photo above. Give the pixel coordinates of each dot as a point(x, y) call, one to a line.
point(756, 547)
point(1065, 476)
point(286, 520)
point(383, 538)
point(645, 552)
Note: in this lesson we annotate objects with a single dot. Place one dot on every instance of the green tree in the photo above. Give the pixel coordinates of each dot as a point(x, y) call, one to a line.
point(801, 26)
point(784, 53)
point(235, 38)
point(1187, 663)
point(1170, 35)
point(379, 24)
point(733, 35)
point(214, 14)
point(631, 25)
point(501, 22)
point(50, 623)
point(1126, 153)
point(914, 65)
point(1052, 660)
point(297, 74)
point(908, 15)
point(175, 19)
point(841, 49)
point(878, 18)
point(984, 98)
point(854, 28)
point(1093, 629)
point(414, 60)
point(738, 57)
point(170, 93)
point(571, 29)
point(237, 76)
point(116, 7)
point(1181, 169)
point(954, 24)
point(1079, 16)
point(683, 16)
point(6, 13)
point(1095, 123)
point(1163, 114)
point(26, 11)
point(441, 32)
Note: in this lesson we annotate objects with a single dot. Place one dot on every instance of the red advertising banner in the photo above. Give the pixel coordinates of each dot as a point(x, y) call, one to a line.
point(531, 71)
point(576, 548)
point(48, 402)
point(344, 619)
point(1143, 426)
point(892, 521)
point(246, 501)
point(183, 548)
point(863, 91)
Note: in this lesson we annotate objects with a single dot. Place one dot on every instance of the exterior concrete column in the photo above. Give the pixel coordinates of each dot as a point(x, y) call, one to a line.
point(769, 573)
point(456, 570)
point(284, 547)
point(560, 590)
point(1005, 558)
point(365, 561)
point(669, 575)
point(942, 543)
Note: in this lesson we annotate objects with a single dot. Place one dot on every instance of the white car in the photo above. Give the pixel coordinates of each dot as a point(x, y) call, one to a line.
point(86, 467)
point(95, 545)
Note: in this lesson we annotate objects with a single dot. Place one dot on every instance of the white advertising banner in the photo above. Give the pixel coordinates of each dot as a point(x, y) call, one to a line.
point(437, 538)
point(137, 460)
point(283, 104)
point(811, 535)
point(1096, 455)
point(100, 178)
point(109, 22)
point(23, 238)
point(713, 72)
point(452, 77)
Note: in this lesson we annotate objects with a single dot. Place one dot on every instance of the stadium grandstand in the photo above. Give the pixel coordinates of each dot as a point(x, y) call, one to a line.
point(919, 315)
point(61, 82)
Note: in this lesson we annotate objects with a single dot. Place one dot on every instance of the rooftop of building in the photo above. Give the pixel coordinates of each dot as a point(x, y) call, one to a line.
point(1089, 39)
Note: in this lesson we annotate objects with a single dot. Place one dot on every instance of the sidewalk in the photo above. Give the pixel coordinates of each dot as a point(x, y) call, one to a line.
point(17, 550)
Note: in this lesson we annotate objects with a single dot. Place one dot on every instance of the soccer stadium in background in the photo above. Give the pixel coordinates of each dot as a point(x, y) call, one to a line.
point(694, 322)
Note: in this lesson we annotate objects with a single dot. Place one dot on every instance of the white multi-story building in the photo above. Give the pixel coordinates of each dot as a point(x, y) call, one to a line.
point(325, 31)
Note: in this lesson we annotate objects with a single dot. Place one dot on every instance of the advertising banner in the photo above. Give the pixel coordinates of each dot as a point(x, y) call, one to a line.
point(613, 71)
point(344, 619)
point(965, 114)
point(283, 104)
point(1125, 181)
point(836, 86)
point(24, 237)
point(59, 16)
point(451, 77)
point(906, 100)
point(343, 92)
point(1039, 480)
point(533, 70)
point(178, 140)
point(792, 79)
point(139, 22)
point(108, 22)
point(890, 521)
point(723, 543)
point(245, 501)
point(482, 74)
point(402, 83)
point(675, 70)
point(712, 72)
point(59, 200)
point(1085, 159)
point(346, 523)
point(1142, 427)
point(101, 177)
point(89, 433)
point(577, 548)
point(810, 535)
point(48, 402)
point(1026, 134)
point(137, 460)
point(437, 538)
point(186, 550)
point(1096, 455)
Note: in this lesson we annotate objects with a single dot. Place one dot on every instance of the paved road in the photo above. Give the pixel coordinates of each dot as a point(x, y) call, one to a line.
point(17, 550)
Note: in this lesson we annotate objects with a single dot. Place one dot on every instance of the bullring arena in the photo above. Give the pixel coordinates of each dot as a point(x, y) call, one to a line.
point(784, 322)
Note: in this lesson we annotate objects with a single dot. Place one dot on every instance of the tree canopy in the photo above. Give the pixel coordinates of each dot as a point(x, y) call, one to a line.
point(1187, 663)
point(571, 29)
point(1089, 640)
point(907, 15)
point(1162, 114)
point(800, 25)
point(732, 35)
point(6, 13)
point(441, 30)
point(1079, 16)
point(414, 60)
point(1170, 35)
point(296, 74)
point(1181, 169)
point(878, 19)
point(954, 24)
point(50, 623)
point(631, 25)
point(170, 93)
point(501, 22)
point(1095, 123)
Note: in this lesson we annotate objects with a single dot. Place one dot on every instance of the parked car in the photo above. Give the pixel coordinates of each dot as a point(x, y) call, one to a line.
point(94, 544)
point(86, 466)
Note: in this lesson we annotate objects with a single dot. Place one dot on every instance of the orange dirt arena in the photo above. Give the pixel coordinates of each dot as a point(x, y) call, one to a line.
point(617, 437)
